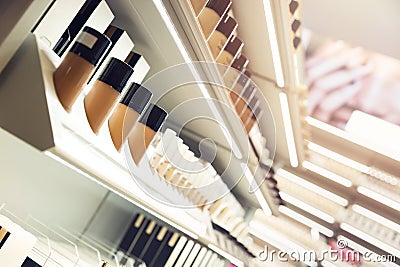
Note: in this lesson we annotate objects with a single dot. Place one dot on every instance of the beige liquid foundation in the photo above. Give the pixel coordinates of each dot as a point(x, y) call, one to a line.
point(79, 65)
point(126, 113)
point(105, 92)
point(220, 36)
point(242, 101)
point(231, 49)
point(144, 131)
point(211, 15)
point(198, 5)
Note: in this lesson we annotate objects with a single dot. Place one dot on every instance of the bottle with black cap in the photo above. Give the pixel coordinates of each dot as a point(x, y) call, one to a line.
point(230, 51)
point(221, 35)
point(235, 71)
point(78, 65)
point(105, 92)
point(241, 83)
point(127, 112)
point(144, 131)
point(212, 14)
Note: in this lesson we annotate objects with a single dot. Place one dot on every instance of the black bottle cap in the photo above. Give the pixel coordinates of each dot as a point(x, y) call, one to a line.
point(132, 58)
point(153, 117)
point(293, 6)
point(258, 112)
point(219, 6)
point(116, 74)
point(227, 25)
point(240, 63)
point(137, 97)
point(91, 45)
point(243, 78)
point(114, 33)
point(233, 46)
point(296, 42)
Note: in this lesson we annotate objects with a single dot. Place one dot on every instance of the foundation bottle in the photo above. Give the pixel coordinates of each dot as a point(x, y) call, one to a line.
point(144, 131)
point(253, 118)
point(220, 36)
point(212, 14)
point(235, 71)
point(231, 49)
point(79, 65)
point(127, 112)
point(105, 92)
point(254, 102)
point(198, 5)
point(243, 99)
point(241, 83)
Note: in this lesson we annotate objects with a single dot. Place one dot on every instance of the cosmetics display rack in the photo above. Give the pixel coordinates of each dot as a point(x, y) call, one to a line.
point(91, 188)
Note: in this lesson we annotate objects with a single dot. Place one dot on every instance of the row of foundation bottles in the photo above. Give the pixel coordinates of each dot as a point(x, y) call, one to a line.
point(217, 22)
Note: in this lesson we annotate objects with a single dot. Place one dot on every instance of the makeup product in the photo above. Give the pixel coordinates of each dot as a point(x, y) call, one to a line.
point(243, 99)
point(247, 111)
point(235, 71)
point(15, 243)
point(190, 259)
point(94, 14)
point(139, 65)
point(132, 232)
point(220, 36)
point(239, 85)
point(51, 27)
point(200, 257)
point(198, 5)
point(78, 65)
point(206, 259)
point(4, 235)
point(163, 148)
point(105, 92)
point(168, 257)
point(127, 112)
point(211, 15)
point(162, 235)
point(249, 125)
point(121, 46)
point(28, 262)
point(183, 255)
point(231, 50)
point(144, 239)
point(144, 131)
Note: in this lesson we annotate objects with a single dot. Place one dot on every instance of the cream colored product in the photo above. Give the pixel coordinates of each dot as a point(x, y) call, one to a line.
point(232, 74)
point(248, 110)
point(211, 15)
point(198, 5)
point(239, 85)
point(249, 125)
point(244, 98)
point(220, 36)
point(144, 131)
point(126, 113)
point(163, 147)
point(78, 65)
point(105, 92)
point(231, 50)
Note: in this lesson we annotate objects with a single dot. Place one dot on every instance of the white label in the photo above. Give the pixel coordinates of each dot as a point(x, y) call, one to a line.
point(87, 39)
